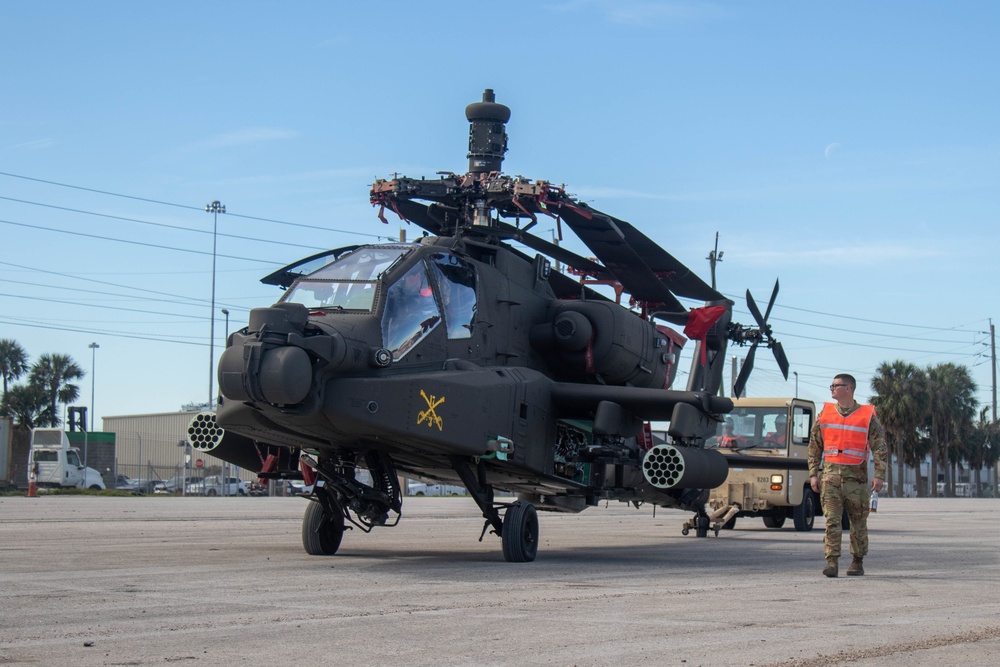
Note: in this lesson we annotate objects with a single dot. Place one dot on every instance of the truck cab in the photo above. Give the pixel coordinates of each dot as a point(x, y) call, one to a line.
point(775, 429)
point(57, 465)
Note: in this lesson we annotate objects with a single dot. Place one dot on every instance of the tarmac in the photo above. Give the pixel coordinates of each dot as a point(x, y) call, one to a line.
point(90, 580)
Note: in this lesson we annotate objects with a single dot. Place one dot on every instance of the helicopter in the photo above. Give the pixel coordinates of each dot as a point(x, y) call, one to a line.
point(461, 358)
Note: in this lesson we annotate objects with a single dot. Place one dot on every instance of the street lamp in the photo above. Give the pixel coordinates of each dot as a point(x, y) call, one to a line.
point(226, 313)
point(796, 374)
point(215, 208)
point(93, 377)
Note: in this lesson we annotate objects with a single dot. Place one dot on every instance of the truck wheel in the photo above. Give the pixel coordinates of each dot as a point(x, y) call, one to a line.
point(94, 487)
point(729, 525)
point(774, 520)
point(804, 514)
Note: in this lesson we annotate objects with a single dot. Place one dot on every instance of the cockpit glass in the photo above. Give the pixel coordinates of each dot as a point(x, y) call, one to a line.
point(347, 284)
point(456, 282)
point(411, 312)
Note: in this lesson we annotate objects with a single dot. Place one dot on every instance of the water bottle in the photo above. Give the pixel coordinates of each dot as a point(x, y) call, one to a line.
point(874, 505)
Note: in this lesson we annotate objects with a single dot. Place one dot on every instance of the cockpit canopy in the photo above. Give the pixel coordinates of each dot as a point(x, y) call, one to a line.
point(418, 296)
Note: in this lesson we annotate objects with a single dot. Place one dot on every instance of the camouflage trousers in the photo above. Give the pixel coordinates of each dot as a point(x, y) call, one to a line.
point(837, 494)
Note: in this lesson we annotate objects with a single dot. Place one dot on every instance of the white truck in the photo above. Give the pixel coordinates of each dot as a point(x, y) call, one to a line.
point(56, 465)
point(770, 436)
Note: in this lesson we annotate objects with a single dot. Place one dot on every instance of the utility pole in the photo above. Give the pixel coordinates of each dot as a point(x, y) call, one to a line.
point(993, 367)
point(215, 208)
point(714, 257)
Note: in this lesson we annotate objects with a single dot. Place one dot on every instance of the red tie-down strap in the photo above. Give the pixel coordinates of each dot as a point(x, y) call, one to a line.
point(308, 474)
point(700, 321)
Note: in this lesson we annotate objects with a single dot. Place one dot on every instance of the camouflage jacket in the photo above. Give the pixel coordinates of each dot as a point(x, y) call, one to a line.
point(876, 442)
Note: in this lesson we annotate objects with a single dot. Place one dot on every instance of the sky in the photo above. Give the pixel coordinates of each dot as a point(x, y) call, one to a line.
point(850, 150)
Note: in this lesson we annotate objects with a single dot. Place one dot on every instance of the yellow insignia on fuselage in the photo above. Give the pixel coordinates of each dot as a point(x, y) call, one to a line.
point(429, 415)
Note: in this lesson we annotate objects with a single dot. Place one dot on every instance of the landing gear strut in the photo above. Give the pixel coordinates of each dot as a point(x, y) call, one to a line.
point(518, 530)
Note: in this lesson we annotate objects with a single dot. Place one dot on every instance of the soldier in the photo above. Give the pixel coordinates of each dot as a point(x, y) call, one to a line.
point(843, 437)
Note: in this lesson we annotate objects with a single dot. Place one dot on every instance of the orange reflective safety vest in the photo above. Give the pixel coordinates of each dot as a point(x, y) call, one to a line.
point(845, 439)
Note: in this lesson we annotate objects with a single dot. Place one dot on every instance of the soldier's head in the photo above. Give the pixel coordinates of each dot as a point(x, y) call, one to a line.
point(843, 388)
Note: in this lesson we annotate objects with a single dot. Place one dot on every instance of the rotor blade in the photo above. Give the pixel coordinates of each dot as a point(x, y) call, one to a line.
point(779, 356)
point(741, 379)
point(755, 311)
point(579, 263)
point(770, 304)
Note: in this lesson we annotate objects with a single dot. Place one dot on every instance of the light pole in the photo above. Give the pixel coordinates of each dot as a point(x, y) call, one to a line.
point(796, 374)
point(226, 313)
point(215, 208)
point(93, 382)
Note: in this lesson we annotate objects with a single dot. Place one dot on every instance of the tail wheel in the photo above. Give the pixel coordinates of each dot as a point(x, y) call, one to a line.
point(520, 533)
point(804, 514)
point(321, 534)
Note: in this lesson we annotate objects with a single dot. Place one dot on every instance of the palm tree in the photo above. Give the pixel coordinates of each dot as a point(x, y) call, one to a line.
point(952, 407)
point(901, 401)
point(27, 405)
point(53, 374)
point(13, 361)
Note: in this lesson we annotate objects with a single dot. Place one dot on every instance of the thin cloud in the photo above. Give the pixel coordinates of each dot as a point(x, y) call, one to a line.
point(245, 137)
point(36, 145)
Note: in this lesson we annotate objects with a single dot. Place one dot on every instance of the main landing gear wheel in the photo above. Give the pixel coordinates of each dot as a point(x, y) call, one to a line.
point(321, 535)
point(804, 514)
point(520, 533)
point(702, 529)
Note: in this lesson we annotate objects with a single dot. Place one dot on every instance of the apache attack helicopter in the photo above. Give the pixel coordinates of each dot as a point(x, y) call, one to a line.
point(461, 359)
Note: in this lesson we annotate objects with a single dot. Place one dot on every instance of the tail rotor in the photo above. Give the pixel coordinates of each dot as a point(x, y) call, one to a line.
point(742, 335)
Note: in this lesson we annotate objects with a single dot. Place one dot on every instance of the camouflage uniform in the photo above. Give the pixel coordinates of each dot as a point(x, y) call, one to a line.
point(846, 486)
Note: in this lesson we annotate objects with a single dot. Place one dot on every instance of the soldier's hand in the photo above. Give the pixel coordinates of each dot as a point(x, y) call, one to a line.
point(877, 484)
point(814, 483)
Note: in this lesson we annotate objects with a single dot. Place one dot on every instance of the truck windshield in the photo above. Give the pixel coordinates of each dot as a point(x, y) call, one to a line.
point(752, 427)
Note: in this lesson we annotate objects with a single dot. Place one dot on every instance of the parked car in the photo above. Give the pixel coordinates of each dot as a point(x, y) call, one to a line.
point(421, 489)
point(212, 486)
point(173, 485)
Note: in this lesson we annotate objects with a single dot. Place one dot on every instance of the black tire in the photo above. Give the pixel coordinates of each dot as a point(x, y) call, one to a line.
point(211, 492)
point(804, 514)
point(729, 525)
point(774, 520)
point(702, 529)
point(520, 533)
point(845, 521)
point(319, 537)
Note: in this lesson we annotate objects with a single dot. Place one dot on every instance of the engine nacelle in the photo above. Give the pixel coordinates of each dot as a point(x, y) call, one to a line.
point(586, 340)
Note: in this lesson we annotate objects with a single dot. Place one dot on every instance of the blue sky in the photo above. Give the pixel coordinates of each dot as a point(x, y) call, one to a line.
point(848, 149)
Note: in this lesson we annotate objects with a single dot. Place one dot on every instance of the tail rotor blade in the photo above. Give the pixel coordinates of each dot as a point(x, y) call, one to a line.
point(770, 304)
point(779, 356)
point(755, 311)
point(741, 379)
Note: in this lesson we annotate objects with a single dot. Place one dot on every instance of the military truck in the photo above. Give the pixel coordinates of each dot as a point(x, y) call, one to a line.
point(774, 429)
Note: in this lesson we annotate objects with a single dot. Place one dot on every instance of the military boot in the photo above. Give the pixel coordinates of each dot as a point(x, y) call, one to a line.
point(856, 569)
point(831, 567)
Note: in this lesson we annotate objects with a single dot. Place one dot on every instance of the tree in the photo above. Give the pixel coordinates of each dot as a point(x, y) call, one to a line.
point(53, 373)
point(27, 405)
point(952, 408)
point(901, 402)
point(13, 361)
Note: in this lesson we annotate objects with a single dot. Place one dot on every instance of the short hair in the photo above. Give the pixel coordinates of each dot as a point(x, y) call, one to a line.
point(849, 379)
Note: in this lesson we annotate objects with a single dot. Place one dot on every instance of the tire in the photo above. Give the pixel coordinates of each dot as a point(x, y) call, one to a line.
point(702, 529)
point(804, 514)
point(729, 525)
point(774, 520)
point(212, 492)
point(94, 487)
point(520, 533)
point(319, 537)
